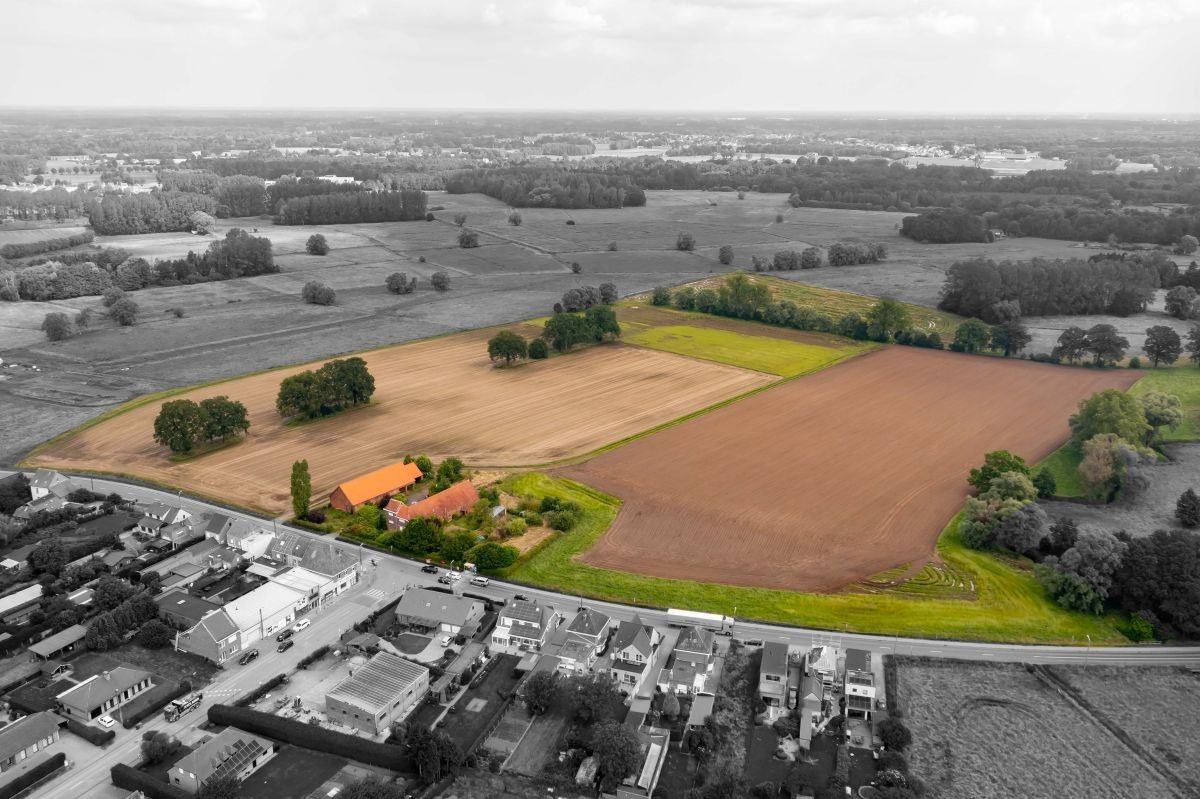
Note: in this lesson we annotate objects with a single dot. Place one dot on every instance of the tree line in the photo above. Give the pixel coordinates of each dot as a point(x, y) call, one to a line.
point(335, 386)
point(1073, 223)
point(549, 187)
point(58, 204)
point(156, 212)
point(1009, 289)
point(182, 425)
point(405, 205)
point(23, 249)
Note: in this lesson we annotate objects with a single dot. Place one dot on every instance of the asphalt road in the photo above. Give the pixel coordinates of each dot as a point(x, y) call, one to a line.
point(393, 574)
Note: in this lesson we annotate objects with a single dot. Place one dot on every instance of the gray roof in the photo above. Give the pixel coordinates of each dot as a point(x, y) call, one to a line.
point(695, 639)
point(48, 646)
point(377, 685)
point(421, 603)
point(328, 559)
point(23, 733)
point(218, 625)
point(57, 484)
point(524, 610)
point(224, 753)
point(94, 692)
point(21, 554)
point(632, 633)
point(774, 657)
point(217, 522)
point(588, 622)
point(289, 544)
point(858, 660)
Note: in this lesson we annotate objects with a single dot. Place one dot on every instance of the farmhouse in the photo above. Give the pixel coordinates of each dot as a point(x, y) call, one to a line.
point(46, 482)
point(859, 683)
point(103, 693)
point(230, 752)
point(691, 662)
point(445, 505)
point(524, 625)
point(59, 644)
point(215, 637)
point(585, 638)
point(773, 674)
point(374, 486)
point(632, 650)
point(433, 610)
point(23, 739)
point(378, 694)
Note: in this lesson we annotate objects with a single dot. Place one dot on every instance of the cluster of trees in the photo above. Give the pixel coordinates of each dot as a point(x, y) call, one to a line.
point(23, 249)
point(1183, 302)
point(290, 187)
point(183, 424)
point(400, 283)
point(850, 253)
point(405, 205)
point(581, 298)
point(549, 187)
point(597, 324)
point(337, 385)
point(949, 225)
point(156, 212)
point(997, 292)
point(1163, 346)
point(782, 261)
point(425, 537)
point(123, 609)
point(58, 204)
point(316, 293)
point(944, 226)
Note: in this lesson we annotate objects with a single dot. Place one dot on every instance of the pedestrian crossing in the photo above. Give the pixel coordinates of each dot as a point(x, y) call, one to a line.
point(376, 593)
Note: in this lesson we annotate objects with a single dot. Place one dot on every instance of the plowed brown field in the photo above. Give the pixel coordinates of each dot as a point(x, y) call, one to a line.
point(441, 397)
point(832, 477)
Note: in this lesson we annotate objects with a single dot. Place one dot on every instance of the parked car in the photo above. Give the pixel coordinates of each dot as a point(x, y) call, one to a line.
point(249, 657)
point(429, 568)
point(521, 597)
point(455, 576)
point(105, 721)
point(445, 640)
point(445, 579)
point(285, 646)
point(286, 634)
point(302, 625)
point(480, 581)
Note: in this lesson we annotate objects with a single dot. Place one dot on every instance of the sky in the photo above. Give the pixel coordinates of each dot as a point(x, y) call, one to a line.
point(956, 57)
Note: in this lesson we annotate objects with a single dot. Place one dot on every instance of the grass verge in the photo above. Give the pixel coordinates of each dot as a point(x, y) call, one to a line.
point(776, 356)
point(1010, 605)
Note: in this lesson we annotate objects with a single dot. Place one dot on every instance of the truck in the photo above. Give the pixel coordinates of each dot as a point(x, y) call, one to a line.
point(711, 621)
point(178, 707)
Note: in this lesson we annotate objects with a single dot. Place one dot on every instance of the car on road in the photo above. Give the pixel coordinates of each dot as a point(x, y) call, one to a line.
point(105, 721)
point(480, 581)
point(286, 634)
point(285, 646)
point(302, 625)
point(455, 576)
point(445, 579)
point(521, 597)
point(445, 640)
point(429, 568)
point(249, 657)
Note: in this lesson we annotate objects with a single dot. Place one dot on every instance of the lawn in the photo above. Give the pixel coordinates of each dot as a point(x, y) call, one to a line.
point(1010, 603)
point(478, 707)
point(294, 772)
point(775, 356)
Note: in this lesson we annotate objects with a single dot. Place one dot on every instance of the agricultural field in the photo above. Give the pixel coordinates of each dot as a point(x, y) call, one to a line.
point(442, 397)
point(28, 235)
point(999, 730)
point(822, 481)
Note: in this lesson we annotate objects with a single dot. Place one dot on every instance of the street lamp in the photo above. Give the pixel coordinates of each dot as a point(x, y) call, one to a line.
point(1088, 653)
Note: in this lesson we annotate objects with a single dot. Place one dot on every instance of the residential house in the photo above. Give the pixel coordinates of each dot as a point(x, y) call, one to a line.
point(183, 532)
point(435, 611)
point(339, 564)
point(23, 740)
point(289, 547)
point(183, 611)
point(374, 487)
point(632, 650)
point(17, 559)
point(245, 537)
point(61, 643)
point(309, 585)
point(654, 743)
point(585, 638)
point(18, 606)
point(524, 625)
point(445, 505)
point(103, 693)
point(822, 662)
point(808, 709)
point(215, 637)
point(773, 674)
point(378, 694)
point(167, 514)
point(183, 575)
point(47, 504)
point(859, 683)
point(212, 555)
point(46, 482)
point(148, 525)
point(263, 612)
point(217, 526)
point(691, 662)
point(229, 753)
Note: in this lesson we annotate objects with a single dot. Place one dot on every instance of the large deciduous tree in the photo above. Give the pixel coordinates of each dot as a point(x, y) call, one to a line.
point(1162, 345)
point(1072, 345)
point(507, 346)
point(972, 336)
point(888, 318)
point(618, 753)
point(995, 464)
point(1106, 344)
point(1109, 411)
point(179, 425)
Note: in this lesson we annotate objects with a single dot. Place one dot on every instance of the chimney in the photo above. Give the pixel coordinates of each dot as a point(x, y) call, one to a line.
point(107, 676)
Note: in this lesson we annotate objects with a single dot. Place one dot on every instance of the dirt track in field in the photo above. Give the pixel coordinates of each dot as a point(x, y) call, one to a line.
point(440, 397)
point(830, 478)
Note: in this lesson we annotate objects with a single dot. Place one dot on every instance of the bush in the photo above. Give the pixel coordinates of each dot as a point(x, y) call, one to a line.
point(725, 255)
point(612, 246)
point(178, 312)
point(468, 239)
point(685, 242)
point(258, 693)
point(46, 245)
point(317, 293)
point(576, 267)
point(1187, 509)
point(514, 218)
point(313, 657)
point(317, 245)
point(660, 296)
point(538, 349)
point(460, 219)
point(57, 326)
point(440, 281)
point(125, 312)
point(429, 217)
point(490, 555)
point(400, 283)
point(894, 735)
point(128, 778)
point(111, 296)
point(154, 635)
point(309, 736)
point(90, 733)
point(83, 318)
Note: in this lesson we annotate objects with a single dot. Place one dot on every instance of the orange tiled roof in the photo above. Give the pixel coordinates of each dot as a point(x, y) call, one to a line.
point(455, 499)
point(381, 481)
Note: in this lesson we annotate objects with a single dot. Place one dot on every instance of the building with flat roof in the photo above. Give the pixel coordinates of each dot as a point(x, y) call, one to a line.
point(264, 611)
point(378, 694)
point(230, 753)
point(103, 693)
point(858, 683)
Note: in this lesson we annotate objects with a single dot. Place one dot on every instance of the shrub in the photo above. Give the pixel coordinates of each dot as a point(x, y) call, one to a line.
point(1187, 509)
point(317, 245)
point(725, 255)
point(778, 217)
point(131, 720)
point(89, 733)
point(460, 219)
point(154, 635)
point(400, 283)
point(894, 735)
point(570, 221)
point(685, 242)
point(514, 218)
point(258, 693)
point(19, 785)
point(1135, 362)
point(468, 239)
point(125, 312)
point(490, 555)
point(660, 296)
point(46, 245)
point(612, 246)
point(429, 217)
point(313, 657)
point(83, 318)
point(317, 293)
point(576, 268)
point(111, 296)
point(57, 326)
point(440, 281)
point(538, 349)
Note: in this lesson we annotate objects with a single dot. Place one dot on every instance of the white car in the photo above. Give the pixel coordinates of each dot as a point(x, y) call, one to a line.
point(455, 576)
point(445, 640)
point(302, 625)
point(105, 721)
point(480, 581)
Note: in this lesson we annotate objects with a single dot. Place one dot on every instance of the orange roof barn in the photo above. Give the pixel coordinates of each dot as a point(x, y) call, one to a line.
point(374, 486)
point(458, 498)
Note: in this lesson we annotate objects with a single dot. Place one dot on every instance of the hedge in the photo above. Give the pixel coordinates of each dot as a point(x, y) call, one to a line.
point(261, 691)
point(310, 736)
point(150, 710)
point(316, 655)
point(128, 778)
point(89, 733)
point(46, 245)
point(35, 775)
